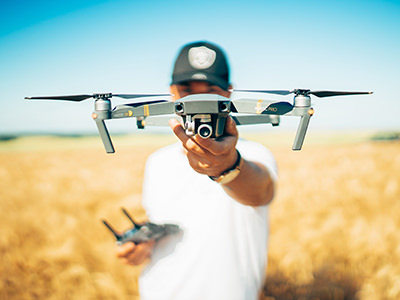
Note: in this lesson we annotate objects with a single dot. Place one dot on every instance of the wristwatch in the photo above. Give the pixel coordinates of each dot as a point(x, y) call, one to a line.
point(231, 173)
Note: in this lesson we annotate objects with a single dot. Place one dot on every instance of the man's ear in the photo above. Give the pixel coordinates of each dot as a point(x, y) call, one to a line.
point(174, 91)
point(230, 90)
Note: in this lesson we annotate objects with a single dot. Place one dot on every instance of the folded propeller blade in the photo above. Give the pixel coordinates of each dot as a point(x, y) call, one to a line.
point(67, 98)
point(322, 94)
point(132, 96)
point(319, 94)
point(136, 104)
point(95, 96)
point(278, 92)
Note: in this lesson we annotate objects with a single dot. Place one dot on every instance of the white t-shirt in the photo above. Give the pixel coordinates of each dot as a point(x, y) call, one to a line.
point(221, 251)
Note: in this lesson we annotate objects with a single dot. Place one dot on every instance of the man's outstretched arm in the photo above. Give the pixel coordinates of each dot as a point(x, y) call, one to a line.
point(253, 186)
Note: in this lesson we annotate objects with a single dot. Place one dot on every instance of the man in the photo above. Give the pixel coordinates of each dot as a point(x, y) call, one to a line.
point(216, 190)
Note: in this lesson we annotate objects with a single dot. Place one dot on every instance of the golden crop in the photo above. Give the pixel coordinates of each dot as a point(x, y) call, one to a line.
point(334, 222)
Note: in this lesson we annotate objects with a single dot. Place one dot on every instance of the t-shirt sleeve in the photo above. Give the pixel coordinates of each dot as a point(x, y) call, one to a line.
point(256, 152)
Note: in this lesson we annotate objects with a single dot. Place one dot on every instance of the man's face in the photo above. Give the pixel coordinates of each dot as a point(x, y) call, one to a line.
point(196, 87)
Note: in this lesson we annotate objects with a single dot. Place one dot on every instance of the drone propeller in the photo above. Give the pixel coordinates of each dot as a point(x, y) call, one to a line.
point(95, 96)
point(306, 92)
point(279, 92)
point(137, 104)
point(322, 94)
point(132, 96)
point(67, 98)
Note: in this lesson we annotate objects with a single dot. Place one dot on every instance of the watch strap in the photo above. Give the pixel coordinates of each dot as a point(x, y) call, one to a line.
point(231, 173)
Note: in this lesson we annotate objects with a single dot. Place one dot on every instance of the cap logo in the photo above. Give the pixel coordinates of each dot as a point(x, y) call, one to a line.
point(201, 57)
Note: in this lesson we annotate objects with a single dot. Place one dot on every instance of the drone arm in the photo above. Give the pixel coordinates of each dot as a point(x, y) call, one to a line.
point(249, 106)
point(142, 110)
point(265, 107)
point(256, 119)
point(159, 120)
point(105, 136)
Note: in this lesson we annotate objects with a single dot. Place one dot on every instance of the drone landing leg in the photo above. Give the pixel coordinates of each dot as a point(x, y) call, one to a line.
point(301, 132)
point(105, 136)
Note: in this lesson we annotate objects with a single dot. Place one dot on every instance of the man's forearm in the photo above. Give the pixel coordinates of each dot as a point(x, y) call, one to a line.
point(254, 186)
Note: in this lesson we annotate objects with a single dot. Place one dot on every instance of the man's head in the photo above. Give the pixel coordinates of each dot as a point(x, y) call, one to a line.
point(201, 67)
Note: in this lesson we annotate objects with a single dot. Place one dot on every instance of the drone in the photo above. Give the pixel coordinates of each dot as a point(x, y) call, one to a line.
point(143, 232)
point(203, 114)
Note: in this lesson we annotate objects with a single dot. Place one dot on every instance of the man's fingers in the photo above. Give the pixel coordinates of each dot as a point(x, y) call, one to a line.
point(136, 257)
point(223, 144)
point(187, 142)
point(209, 156)
point(134, 254)
point(217, 146)
point(197, 162)
point(203, 147)
point(141, 253)
point(125, 249)
point(175, 124)
point(230, 127)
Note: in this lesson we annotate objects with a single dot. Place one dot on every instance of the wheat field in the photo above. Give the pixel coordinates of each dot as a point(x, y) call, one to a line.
point(334, 222)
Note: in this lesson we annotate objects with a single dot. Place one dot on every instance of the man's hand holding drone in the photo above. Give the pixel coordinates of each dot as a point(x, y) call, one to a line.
point(209, 156)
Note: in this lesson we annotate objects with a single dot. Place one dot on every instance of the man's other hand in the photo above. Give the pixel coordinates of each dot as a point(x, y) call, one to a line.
point(135, 254)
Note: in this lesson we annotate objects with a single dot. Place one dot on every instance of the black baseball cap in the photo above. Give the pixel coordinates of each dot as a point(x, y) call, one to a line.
point(201, 61)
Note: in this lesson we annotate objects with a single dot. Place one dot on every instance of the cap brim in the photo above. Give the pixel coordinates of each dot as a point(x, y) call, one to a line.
point(210, 78)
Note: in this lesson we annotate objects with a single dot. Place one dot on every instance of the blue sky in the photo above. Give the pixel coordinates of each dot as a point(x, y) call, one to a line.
point(121, 46)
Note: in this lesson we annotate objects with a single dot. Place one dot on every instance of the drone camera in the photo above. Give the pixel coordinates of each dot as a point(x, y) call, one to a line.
point(205, 131)
point(203, 125)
